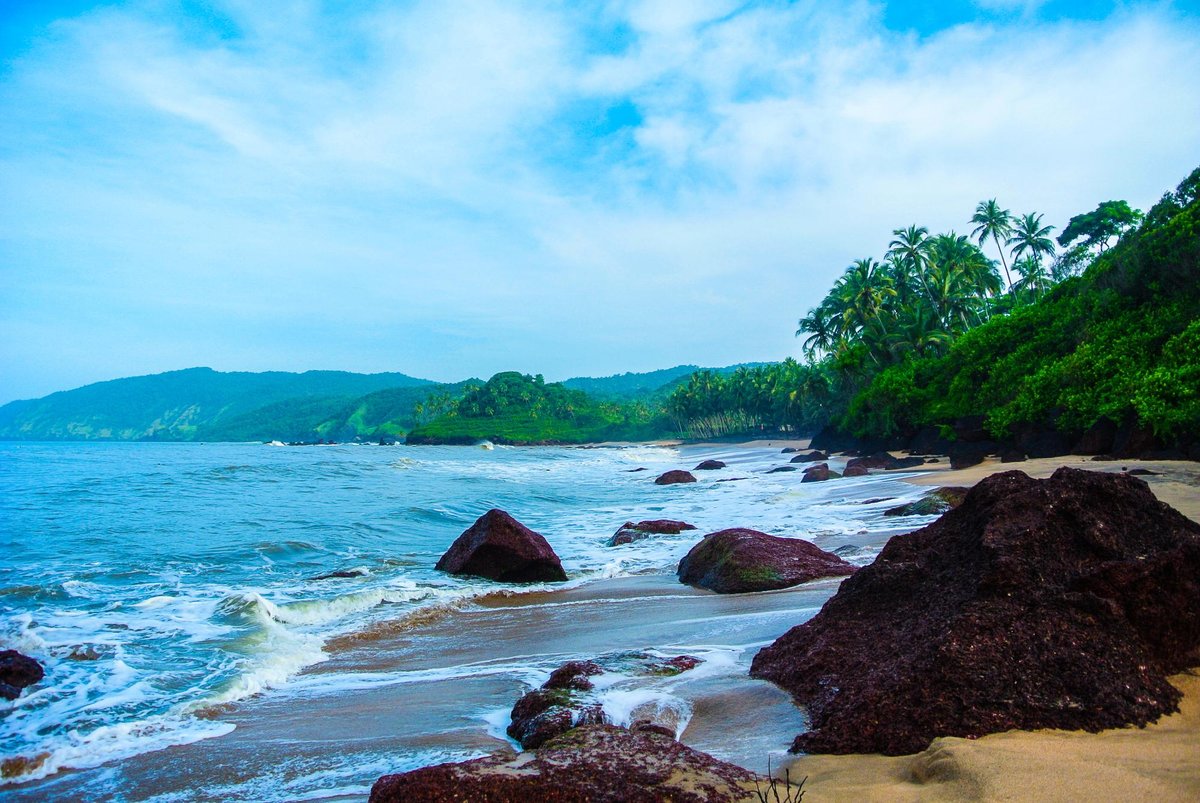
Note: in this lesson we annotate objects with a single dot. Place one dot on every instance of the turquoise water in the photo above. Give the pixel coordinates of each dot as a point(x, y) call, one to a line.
point(156, 580)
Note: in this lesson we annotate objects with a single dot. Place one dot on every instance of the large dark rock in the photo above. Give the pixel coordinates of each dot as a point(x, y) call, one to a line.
point(929, 440)
point(16, 672)
point(1041, 441)
point(971, 429)
point(1059, 603)
point(810, 457)
point(932, 503)
point(594, 764)
point(630, 532)
point(855, 471)
point(1011, 454)
point(709, 465)
point(965, 455)
point(499, 547)
point(911, 461)
point(819, 473)
point(1134, 440)
point(830, 440)
point(674, 477)
point(1097, 439)
point(876, 460)
point(739, 560)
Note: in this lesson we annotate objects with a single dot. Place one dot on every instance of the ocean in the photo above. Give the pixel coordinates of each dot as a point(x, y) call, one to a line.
point(248, 622)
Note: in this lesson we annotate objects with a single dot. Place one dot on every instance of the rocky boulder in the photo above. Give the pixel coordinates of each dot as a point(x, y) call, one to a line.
point(500, 548)
point(929, 440)
point(593, 764)
point(855, 471)
point(739, 560)
point(876, 460)
point(810, 457)
point(933, 503)
point(781, 469)
point(1097, 439)
point(1058, 603)
point(630, 532)
point(674, 477)
point(965, 455)
point(16, 672)
point(901, 463)
point(709, 465)
point(819, 473)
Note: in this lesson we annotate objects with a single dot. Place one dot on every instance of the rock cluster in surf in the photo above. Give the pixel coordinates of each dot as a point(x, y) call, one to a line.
point(16, 672)
point(500, 548)
point(739, 560)
point(592, 764)
point(1058, 603)
point(629, 532)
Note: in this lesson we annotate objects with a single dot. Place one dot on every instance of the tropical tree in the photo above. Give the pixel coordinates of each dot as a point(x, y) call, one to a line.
point(1035, 279)
point(1030, 238)
point(993, 222)
point(1109, 219)
point(911, 246)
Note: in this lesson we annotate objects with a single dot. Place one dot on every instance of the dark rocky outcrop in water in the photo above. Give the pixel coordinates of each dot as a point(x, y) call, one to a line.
point(1059, 603)
point(674, 477)
point(563, 701)
point(819, 473)
point(810, 457)
point(16, 672)
point(855, 471)
point(934, 502)
point(781, 469)
point(630, 532)
point(499, 547)
point(709, 465)
point(740, 560)
point(594, 764)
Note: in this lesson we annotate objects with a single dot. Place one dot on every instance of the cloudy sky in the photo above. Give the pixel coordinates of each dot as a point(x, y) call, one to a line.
point(453, 188)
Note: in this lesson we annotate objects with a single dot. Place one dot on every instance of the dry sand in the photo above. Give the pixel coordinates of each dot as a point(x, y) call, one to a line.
point(1160, 762)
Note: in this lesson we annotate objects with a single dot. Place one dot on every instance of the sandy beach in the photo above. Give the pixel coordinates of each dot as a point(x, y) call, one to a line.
point(1160, 762)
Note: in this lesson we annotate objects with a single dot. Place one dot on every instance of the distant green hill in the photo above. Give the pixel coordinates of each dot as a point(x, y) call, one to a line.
point(629, 385)
point(184, 405)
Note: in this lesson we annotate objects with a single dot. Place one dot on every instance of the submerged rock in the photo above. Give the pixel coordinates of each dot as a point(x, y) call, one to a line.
point(933, 503)
point(811, 457)
point(630, 532)
point(500, 548)
point(709, 465)
point(819, 473)
point(593, 764)
point(1059, 603)
point(16, 672)
point(780, 469)
point(739, 560)
point(674, 477)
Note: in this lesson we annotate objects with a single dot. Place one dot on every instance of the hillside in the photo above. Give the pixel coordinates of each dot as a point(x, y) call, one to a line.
point(630, 385)
point(180, 405)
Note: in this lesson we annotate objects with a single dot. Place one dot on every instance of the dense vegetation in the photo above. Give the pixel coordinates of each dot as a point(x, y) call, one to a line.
point(934, 332)
point(518, 408)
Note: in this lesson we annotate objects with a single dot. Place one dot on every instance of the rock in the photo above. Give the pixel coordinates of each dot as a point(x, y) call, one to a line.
point(1133, 440)
point(906, 462)
point(709, 465)
point(810, 457)
point(739, 560)
point(594, 764)
point(340, 574)
point(819, 474)
point(500, 548)
point(965, 455)
point(829, 440)
point(674, 477)
point(636, 470)
point(788, 450)
point(544, 713)
point(84, 652)
point(1042, 441)
point(876, 460)
point(674, 666)
point(933, 460)
point(1142, 472)
point(630, 532)
point(1011, 454)
point(929, 440)
point(1097, 439)
point(933, 503)
point(855, 471)
point(779, 469)
point(16, 672)
point(1059, 603)
point(574, 675)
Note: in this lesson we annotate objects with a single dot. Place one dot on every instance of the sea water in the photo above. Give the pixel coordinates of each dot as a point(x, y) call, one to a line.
point(158, 582)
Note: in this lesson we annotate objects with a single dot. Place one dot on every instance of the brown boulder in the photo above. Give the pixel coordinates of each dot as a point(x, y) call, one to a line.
point(876, 460)
point(933, 503)
point(855, 471)
point(594, 764)
point(709, 465)
point(500, 548)
point(630, 532)
point(16, 672)
point(811, 457)
point(1098, 439)
point(1059, 603)
point(740, 560)
point(674, 477)
point(819, 473)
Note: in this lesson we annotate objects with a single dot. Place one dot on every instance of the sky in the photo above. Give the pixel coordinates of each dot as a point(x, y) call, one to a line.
point(452, 189)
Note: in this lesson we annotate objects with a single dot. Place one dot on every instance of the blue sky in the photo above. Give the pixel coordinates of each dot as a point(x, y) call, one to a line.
point(457, 188)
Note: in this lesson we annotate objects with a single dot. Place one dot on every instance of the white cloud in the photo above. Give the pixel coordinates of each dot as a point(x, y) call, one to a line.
point(413, 174)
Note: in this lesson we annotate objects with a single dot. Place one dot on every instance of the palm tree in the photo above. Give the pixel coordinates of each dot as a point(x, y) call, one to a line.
point(912, 246)
point(821, 327)
point(993, 222)
point(1030, 238)
point(1035, 279)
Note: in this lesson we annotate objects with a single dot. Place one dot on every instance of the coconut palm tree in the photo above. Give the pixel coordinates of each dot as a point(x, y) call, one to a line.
point(995, 223)
point(1030, 238)
point(1035, 279)
point(912, 247)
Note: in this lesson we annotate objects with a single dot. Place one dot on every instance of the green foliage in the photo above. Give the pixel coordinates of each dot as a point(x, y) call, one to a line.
point(521, 409)
point(1096, 228)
